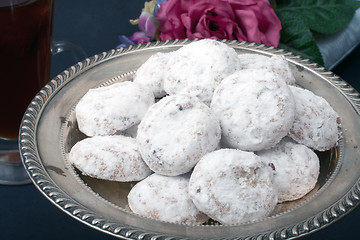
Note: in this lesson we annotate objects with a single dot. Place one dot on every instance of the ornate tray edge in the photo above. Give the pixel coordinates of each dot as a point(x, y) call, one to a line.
point(49, 188)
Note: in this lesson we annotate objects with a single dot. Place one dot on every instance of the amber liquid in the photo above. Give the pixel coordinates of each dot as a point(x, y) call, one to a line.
point(25, 42)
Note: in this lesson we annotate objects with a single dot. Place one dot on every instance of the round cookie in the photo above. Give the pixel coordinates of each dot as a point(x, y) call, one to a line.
point(296, 169)
point(256, 109)
point(175, 133)
point(165, 198)
point(114, 158)
point(316, 124)
point(150, 74)
point(233, 186)
point(117, 107)
point(197, 68)
point(130, 132)
point(276, 64)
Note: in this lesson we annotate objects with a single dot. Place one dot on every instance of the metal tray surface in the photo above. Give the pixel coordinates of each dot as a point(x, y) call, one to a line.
point(49, 130)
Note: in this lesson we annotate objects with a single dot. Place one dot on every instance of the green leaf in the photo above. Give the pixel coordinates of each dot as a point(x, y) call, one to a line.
point(323, 16)
point(297, 38)
point(299, 18)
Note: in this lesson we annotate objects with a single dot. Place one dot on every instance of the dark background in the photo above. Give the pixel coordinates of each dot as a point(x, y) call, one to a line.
point(94, 25)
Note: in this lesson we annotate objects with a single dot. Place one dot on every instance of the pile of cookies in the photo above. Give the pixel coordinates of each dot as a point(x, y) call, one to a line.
point(206, 133)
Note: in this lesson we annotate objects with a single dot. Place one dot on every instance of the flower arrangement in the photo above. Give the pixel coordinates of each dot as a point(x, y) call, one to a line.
point(282, 23)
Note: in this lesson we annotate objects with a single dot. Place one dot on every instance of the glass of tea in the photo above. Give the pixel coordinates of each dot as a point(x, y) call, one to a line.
point(25, 56)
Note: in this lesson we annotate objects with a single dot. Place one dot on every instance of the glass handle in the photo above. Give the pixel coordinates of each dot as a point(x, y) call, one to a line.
point(65, 46)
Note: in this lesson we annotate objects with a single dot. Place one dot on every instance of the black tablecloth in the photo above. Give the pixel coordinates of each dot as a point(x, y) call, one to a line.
point(94, 25)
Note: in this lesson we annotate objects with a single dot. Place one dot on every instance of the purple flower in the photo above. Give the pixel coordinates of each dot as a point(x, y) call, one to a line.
point(139, 37)
point(148, 24)
point(125, 41)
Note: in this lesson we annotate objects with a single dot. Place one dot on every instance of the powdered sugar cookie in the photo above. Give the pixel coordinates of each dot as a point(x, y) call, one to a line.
point(276, 64)
point(316, 124)
point(197, 68)
point(256, 109)
point(150, 74)
point(106, 110)
point(253, 61)
point(165, 198)
point(296, 169)
point(130, 132)
point(175, 133)
point(114, 158)
point(233, 186)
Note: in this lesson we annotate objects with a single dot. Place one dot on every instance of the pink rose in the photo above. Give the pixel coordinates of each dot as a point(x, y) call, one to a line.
point(243, 20)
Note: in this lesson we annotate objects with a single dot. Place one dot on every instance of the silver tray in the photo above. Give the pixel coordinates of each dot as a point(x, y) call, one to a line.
point(49, 130)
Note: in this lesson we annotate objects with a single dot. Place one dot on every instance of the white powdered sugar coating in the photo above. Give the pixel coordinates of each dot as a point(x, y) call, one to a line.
point(175, 133)
point(276, 64)
point(296, 169)
point(198, 68)
point(252, 109)
point(233, 186)
point(316, 124)
point(151, 73)
point(130, 132)
point(114, 158)
point(106, 110)
point(165, 198)
point(256, 109)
